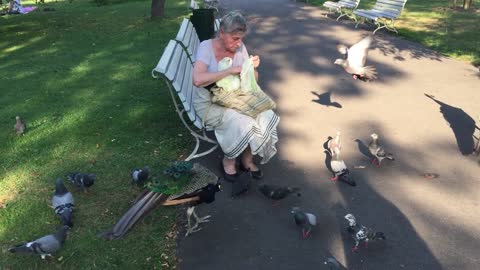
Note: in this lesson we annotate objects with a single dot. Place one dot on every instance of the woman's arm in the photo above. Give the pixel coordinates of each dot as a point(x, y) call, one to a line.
point(202, 78)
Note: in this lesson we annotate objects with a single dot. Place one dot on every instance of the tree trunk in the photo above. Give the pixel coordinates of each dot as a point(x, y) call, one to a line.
point(467, 4)
point(454, 4)
point(158, 8)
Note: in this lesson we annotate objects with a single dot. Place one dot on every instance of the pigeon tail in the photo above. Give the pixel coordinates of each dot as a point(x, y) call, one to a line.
point(370, 72)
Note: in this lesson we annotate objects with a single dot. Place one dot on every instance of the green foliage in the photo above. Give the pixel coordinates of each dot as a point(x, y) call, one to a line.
point(80, 78)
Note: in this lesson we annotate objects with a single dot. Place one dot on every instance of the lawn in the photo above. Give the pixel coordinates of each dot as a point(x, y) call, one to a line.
point(80, 77)
point(453, 32)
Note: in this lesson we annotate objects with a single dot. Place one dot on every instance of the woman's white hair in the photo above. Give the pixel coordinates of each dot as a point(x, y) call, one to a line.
point(233, 22)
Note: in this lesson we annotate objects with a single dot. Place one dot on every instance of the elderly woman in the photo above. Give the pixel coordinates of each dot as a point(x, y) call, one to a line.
point(239, 135)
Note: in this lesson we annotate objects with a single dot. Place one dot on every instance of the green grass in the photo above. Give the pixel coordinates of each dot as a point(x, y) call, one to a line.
point(80, 77)
point(433, 23)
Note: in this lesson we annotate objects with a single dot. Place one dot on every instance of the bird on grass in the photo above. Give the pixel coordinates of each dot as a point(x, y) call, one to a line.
point(277, 193)
point(355, 58)
point(20, 126)
point(62, 202)
point(43, 246)
point(140, 176)
point(82, 180)
point(304, 220)
point(361, 233)
point(377, 151)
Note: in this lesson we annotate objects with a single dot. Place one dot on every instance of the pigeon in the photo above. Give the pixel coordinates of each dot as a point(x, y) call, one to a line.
point(356, 56)
point(20, 126)
point(325, 99)
point(44, 246)
point(333, 264)
point(337, 166)
point(82, 180)
point(340, 170)
point(241, 184)
point(335, 145)
point(304, 220)
point(377, 151)
point(361, 233)
point(63, 203)
point(277, 193)
point(139, 176)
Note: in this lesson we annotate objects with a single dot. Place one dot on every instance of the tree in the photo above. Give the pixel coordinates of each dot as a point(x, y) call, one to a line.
point(467, 4)
point(158, 8)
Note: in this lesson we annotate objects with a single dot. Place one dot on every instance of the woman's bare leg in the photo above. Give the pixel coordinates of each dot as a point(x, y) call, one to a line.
point(247, 160)
point(229, 165)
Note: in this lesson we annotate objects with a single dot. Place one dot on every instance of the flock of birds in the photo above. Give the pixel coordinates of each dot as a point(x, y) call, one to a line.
point(63, 204)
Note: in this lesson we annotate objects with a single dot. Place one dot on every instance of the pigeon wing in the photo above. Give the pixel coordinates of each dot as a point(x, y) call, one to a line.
point(49, 243)
point(357, 54)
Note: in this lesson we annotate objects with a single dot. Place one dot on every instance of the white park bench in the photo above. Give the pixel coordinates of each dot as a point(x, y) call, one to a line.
point(176, 69)
point(194, 4)
point(344, 7)
point(383, 14)
point(188, 38)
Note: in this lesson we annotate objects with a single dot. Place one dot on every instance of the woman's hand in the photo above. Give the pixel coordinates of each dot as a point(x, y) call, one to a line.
point(255, 60)
point(235, 70)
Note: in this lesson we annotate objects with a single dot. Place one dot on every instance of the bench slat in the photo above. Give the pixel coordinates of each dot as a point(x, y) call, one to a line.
point(180, 77)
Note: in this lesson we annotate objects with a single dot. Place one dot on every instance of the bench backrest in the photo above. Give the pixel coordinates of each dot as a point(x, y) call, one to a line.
point(349, 3)
point(188, 38)
point(391, 8)
point(177, 70)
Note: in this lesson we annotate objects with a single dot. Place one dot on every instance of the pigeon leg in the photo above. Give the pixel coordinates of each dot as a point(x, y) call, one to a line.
point(307, 233)
point(275, 203)
point(335, 178)
point(365, 244)
point(355, 76)
point(355, 249)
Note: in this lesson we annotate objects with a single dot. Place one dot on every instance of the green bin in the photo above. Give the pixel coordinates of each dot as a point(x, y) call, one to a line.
point(203, 20)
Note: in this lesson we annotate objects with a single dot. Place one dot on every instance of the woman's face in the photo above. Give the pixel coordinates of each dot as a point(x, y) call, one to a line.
point(232, 41)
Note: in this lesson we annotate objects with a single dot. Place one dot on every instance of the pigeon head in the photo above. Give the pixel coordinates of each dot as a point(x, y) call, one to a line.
point(341, 62)
point(17, 118)
point(295, 210)
point(88, 181)
point(374, 136)
point(351, 220)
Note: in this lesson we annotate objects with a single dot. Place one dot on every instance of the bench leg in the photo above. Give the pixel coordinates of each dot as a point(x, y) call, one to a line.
point(198, 137)
point(362, 20)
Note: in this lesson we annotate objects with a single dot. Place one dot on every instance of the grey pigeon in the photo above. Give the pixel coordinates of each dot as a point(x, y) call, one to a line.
point(20, 126)
point(304, 220)
point(44, 246)
point(277, 193)
point(62, 202)
point(139, 176)
point(354, 63)
point(82, 180)
point(333, 264)
point(377, 151)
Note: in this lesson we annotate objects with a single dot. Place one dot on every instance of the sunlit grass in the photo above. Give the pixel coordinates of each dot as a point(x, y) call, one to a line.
point(434, 24)
point(80, 77)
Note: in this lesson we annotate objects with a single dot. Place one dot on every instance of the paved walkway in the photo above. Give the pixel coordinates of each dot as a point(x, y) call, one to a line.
point(430, 224)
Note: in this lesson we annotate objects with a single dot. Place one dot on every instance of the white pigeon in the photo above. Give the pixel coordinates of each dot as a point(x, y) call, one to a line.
point(356, 55)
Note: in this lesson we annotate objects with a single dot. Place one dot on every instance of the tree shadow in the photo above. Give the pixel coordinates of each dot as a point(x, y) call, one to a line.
point(462, 125)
